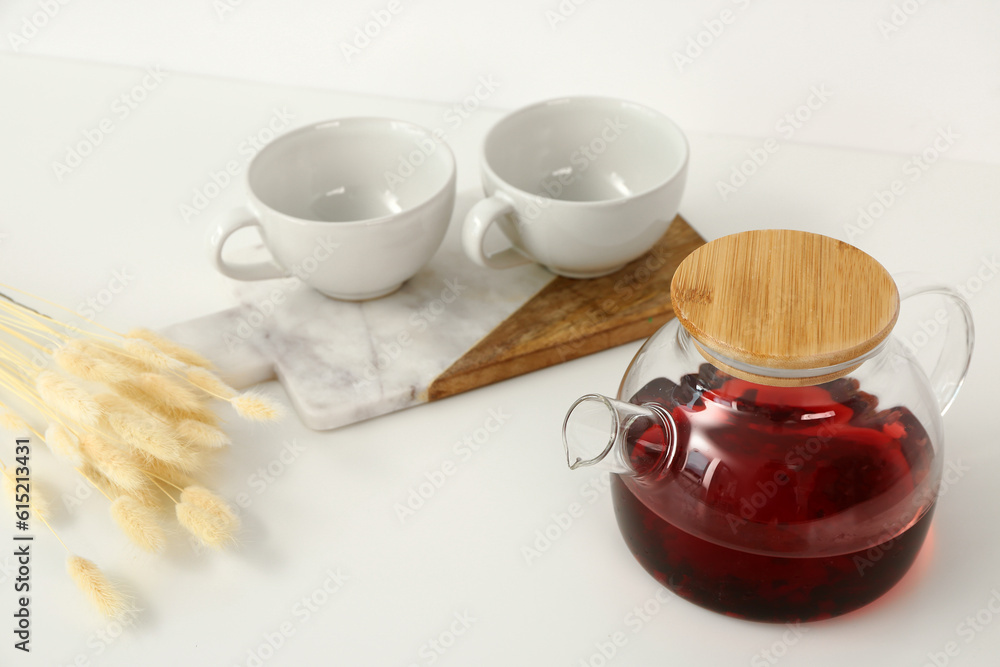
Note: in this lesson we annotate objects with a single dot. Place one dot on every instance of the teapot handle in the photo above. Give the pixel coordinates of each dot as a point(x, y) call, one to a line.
point(955, 319)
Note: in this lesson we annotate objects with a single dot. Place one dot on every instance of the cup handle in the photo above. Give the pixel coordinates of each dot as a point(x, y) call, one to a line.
point(238, 219)
point(477, 222)
point(948, 374)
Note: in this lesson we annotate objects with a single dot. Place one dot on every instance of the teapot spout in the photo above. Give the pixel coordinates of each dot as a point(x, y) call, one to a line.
point(619, 437)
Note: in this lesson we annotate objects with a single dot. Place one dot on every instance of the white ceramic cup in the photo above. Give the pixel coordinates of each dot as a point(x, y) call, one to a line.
point(353, 207)
point(581, 185)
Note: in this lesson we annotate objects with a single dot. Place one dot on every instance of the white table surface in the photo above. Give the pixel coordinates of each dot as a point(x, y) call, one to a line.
point(325, 569)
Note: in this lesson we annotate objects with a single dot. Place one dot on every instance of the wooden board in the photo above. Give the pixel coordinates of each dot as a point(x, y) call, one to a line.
point(345, 362)
point(572, 318)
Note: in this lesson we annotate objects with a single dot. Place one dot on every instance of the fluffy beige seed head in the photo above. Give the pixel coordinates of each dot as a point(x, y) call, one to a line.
point(63, 444)
point(148, 354)
point(117, 465)
point(170, 348)
point(157, 406)
point(207, 516)
point(256, 407)
point(169, 391)
point(101, 592)
point(202, 435)
point(97, 479)
point(139, 429)
point(171, 474)
point(139, 523)
point(116, 354)
point(85, 360)
point(210, 383)
point(68, 398)
point(148, 495)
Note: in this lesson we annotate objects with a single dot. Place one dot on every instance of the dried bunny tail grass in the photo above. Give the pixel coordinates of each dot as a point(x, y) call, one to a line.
point(101, 592)
point(149, 354)
point(141, 430)
point(85, 360)
point(201, 435)
point(149, 495)
point(98, 480)
point(68, 398)
point(63, 444)
point(105, 486)
point(256, 407)
point(207, 516)
point(117, 355)
point(37, 502)
point(167, 391)
point(210, 383)
point(117, 465)
point(12, 423)
point(138, 522)
point(170, 413)
point(170, 474)
point(170, 348)
point(199, 524)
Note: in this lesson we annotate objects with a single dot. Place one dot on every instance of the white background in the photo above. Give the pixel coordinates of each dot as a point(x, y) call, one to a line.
point(892, 84)
point(331, 508)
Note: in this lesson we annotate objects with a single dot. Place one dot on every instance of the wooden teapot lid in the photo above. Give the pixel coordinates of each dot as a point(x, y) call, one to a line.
point(786, 301)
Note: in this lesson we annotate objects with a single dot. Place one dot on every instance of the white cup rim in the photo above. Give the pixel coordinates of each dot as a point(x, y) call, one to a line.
point(320, 125)
point(590, 204)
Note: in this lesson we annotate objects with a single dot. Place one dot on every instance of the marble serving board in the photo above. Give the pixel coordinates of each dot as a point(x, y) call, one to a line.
point(452, 327)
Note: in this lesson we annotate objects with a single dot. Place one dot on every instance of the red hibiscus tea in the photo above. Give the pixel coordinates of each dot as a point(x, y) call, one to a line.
point(783, 504)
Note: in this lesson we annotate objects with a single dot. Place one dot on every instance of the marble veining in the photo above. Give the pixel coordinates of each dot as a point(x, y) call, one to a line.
point(343, 362)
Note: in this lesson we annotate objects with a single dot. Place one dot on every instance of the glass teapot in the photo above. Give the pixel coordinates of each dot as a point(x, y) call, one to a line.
point(776, 451)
